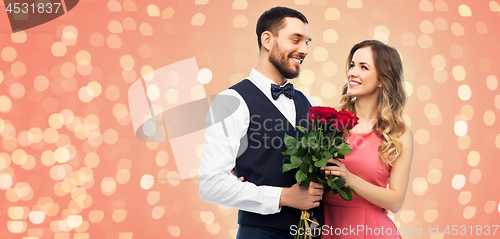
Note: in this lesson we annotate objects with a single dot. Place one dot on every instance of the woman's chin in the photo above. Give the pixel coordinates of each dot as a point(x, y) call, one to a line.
point(351, 93)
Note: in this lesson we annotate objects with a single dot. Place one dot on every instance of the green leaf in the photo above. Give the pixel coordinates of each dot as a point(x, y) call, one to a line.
point(340, 182)
point(288, 166)
point(301, 151)
point(321, 180)
point(310, 168)
point(304, 168)
point(283, 161)
point(300, 176)
point(306, 158)
point(305, 183)
point(314, 158)
point(291, 150)
point(332, 183)
point(295, 160)
point(322, 162)
point(346, 194)
point(289, 140)
point(301, 129)
point(303, 142)
point(344, 148)
point(318, 154)
point(311, 141)
point(353, 191)
point(295, 149)
point(316, 171)
point(328, 154)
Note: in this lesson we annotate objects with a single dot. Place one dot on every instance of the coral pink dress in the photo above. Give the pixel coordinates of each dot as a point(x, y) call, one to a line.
point(359, 218)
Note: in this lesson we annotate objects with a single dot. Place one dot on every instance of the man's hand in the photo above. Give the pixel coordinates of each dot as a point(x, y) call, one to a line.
point(240, 178)
point(301, 197)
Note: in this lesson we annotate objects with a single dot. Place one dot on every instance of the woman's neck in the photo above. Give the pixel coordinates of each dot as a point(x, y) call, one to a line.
point(367, 112)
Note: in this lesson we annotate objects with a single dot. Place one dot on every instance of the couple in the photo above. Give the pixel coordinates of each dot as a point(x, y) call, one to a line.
point(241, 162)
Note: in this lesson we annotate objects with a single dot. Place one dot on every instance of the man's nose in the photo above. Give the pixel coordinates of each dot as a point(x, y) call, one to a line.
point(303, 49)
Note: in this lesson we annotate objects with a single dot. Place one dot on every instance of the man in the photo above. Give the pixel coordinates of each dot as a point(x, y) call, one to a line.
point(249, 139)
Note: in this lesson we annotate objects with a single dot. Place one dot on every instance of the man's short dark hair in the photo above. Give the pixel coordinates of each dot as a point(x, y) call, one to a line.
point(272, 20)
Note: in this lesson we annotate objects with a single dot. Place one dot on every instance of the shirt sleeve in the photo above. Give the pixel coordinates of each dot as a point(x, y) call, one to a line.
point(227, 122)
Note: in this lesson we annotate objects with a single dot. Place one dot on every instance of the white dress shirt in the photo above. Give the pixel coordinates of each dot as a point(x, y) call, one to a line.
point(217, 184)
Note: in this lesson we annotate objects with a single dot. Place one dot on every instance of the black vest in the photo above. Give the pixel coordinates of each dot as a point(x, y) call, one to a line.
point(262, 159)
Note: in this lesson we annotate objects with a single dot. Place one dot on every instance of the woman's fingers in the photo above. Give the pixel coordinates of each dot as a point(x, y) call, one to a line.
point(337, 170)
point(336, 166)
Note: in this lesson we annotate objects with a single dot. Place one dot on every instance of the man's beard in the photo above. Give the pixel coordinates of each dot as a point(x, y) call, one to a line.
point(281, 63)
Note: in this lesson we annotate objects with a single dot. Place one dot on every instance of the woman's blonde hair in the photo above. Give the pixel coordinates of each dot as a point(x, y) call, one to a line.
point(391, 99)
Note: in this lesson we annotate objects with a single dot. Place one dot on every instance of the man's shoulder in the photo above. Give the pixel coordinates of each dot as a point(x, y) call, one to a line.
point(224, 104)
point(228, 94)
point(306, 96)
point(243, 84)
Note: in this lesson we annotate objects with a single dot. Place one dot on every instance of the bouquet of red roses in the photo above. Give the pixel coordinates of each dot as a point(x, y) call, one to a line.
point(309, 153)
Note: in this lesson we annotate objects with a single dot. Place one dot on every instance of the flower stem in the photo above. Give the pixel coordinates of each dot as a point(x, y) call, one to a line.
point(331, 140)
point(319, 139)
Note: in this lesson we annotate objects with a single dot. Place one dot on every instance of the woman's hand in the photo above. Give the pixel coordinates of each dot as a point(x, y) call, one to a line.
point(338, 170)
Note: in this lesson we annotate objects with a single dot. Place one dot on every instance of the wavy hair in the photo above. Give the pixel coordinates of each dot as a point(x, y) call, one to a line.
point(391, 99)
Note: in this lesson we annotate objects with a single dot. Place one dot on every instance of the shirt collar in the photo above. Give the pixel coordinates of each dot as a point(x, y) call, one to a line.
point(262, 81)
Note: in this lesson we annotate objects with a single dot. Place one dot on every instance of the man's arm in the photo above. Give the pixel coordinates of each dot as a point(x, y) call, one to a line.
point(217, 184)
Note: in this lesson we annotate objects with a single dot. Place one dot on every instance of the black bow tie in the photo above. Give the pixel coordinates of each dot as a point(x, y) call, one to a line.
point(277, 90)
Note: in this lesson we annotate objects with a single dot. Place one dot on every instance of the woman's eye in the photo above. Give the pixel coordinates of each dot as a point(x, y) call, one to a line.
point(364, 67)
point(351, 66)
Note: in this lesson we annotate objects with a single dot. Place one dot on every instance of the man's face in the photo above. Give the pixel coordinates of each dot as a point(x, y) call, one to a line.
point(290, 48)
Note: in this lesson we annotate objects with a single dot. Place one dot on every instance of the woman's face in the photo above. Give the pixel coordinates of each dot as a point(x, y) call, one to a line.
point(362, 74)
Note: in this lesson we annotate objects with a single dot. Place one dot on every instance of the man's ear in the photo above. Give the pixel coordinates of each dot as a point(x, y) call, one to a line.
point(267, 38)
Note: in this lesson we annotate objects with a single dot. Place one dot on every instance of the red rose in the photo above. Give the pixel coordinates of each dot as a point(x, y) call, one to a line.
point(354, 120)
point(345, 120)
point(341, 123)
point(323, 114)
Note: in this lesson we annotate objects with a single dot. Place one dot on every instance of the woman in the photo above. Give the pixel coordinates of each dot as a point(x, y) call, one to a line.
point(382, 146)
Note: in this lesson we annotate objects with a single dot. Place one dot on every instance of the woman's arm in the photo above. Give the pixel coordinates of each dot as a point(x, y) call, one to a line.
point(391, 198)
